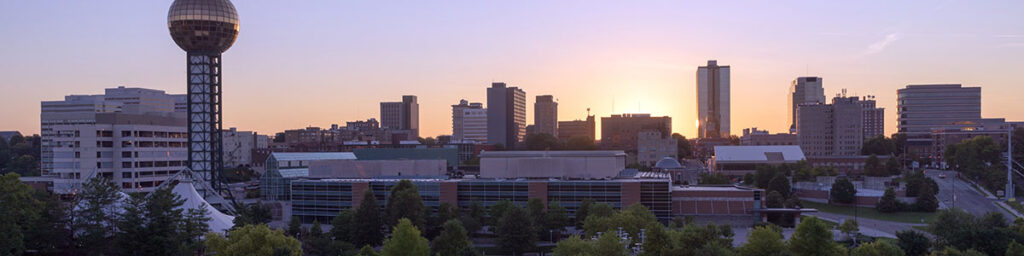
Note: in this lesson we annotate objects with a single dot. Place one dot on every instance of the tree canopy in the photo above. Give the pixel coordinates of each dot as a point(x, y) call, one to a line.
point(843, 191)
point(406, 241)
point(813, 237)
point(253, 240)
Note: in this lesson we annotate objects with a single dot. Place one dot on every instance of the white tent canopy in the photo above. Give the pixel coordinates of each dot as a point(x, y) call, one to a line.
point(219, 222)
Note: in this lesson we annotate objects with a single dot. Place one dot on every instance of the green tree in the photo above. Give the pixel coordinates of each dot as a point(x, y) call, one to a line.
point(888, 202)
point(582, 211)
point(779, 183)
point(843, 191)
point(18, 210)
point(608, 244)
point(879, 145)
point(498, 211)
point(873, 167)
point(659, 240)
point(813, 237)
point(580, 143)
point(764, 241)
point(368, 222)
point(452, 240)
point(164, 224)
point(367, 251)
point(913, 243)
point(849, 227)
point(926, 201)
point(979, 159)
point(1015, 249)
point(556, 219)
point(257, 213)
point(342, 226)
point(949, 251)
point(600, 210)
point(877, 248)
point(25, 165)
point(535, 208)
point(683, 147)
point(775, 200)
point(573, 246)
point(989, 234)
point(295, 226)
point(892, 166)
point(405, 202)
point(631, 220)
point(95, 214)
point(473, 219)
point(542, 141)
point(514, 231)
point(406, 241)
point(253, 240)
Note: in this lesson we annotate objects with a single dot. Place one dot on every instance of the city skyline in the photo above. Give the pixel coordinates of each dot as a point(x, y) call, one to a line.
point(638, 60)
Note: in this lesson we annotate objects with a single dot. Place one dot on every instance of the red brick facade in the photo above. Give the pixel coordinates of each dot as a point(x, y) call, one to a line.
point(538, 190)
point(449, 193)
point(630, 194)
point(358, 189)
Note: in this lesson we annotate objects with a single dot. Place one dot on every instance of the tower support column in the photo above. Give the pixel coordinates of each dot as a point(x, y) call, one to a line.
point(205, 142)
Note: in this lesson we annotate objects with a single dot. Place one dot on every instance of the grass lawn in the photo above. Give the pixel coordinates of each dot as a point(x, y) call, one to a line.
point(871, 213)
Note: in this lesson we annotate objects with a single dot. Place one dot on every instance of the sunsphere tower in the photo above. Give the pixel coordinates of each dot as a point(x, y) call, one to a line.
point(204, 29)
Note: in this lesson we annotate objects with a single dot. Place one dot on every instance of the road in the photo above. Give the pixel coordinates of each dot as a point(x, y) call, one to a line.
point(957, 193)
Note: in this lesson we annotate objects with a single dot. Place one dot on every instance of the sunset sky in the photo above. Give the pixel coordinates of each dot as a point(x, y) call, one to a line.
point(317, 63)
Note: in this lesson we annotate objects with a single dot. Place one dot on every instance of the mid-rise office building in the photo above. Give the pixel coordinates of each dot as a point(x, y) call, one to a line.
point(653, 146)
point(620, 131)
point(568, 177)
point(755, 137)
point(545, 115)
point(712, 101)
point(404, 115)
point(240, 145)
point(804, 90)
point(136, 152)
point(506, 115)
point(578, 128)
point(469, 122)
point(923, 108)
point(835, 129)
point(134, 136)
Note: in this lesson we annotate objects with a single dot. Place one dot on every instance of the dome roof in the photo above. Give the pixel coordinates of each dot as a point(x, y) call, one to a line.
point(668, 163)
point(203, 25)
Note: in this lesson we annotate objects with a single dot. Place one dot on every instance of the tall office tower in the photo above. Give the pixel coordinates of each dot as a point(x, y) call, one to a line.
point(804, 90)
point(835, 129)
point(712, 101)
point(620, 131)
point(577, 128)
point(204, 29)
point(506, 115)
point(459, 115)
point(403, 115)
point(545, 115)
point(874, 118)
point(132, 136)
point(923, 108)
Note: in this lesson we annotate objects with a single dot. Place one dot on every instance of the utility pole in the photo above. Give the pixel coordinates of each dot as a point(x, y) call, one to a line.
point(1009, 165)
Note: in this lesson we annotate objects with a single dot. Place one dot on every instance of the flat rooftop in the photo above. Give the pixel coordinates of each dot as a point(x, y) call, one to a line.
point(579, 153)
point(711, 188)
